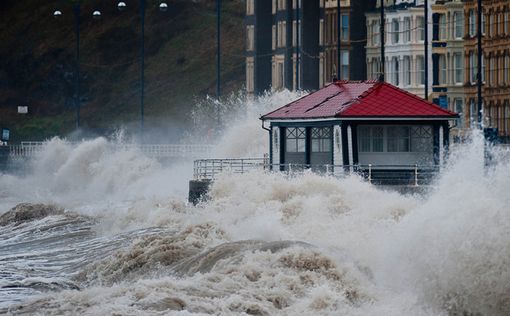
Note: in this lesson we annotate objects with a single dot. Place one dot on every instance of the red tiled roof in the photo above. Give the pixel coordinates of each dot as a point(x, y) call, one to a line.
point(363, 99)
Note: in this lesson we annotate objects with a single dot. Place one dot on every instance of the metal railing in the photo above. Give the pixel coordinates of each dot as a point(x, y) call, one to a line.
point(209, 169)
point(30, 149)
point(415, 175)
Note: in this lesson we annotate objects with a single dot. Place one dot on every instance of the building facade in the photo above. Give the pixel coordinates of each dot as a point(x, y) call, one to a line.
point(404, 46)
point(495, 65)
point(448, 59)
point(293, 44)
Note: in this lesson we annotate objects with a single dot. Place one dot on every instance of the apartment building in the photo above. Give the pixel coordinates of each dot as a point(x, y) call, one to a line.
point(448, 58)
point(404, 46)
point(293, 44)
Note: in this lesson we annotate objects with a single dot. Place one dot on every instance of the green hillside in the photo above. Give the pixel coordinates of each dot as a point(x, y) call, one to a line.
point(37, 58)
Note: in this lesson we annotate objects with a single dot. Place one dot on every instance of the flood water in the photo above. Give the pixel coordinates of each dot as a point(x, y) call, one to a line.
point(105, 231)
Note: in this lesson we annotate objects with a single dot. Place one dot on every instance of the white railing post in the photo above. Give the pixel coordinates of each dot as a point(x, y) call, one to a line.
point(416, 175)
point(370, 173)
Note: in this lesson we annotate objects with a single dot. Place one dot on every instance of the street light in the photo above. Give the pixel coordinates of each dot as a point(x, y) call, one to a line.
point(162, 7)
point(96, 14)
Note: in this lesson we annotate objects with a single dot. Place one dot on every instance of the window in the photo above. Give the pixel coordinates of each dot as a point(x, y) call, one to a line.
point(294, 33)
point(282, 34)
point(282, 4)
point(407, 29)
point(505, 23)
point(442, 27)
point(458, 18)
point(321, 33)
point(376, 36)
point(492, 71)
point(473, 115)
point(398, 139)
point(250, 37)
point(442, 70)
point(345, 65)
point(483, 68)
point(395, 31)
point(250, 75)
point(375, 68)
point(506, 68)
point(345, 27)
point(371, 138)
point(507, 117)
point(407, 71)
point(420, 70)
point(273, 42)
point(472, 23)
point(421, 138)
point(458, 64)
point(484, 24)
point(395, 139)
point(491, 24)
point(295, 139)
point(459, 108)
point(321, 139)
point(420, 21)
point(396, 70)
point(472, 66)
point(250, 7)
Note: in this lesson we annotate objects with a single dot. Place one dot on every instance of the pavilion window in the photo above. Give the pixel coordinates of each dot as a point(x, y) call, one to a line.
point(398, 139)
point(321, 139)
point(295, 139)
point(421, 137)
point(371, 138)
point(395, 139)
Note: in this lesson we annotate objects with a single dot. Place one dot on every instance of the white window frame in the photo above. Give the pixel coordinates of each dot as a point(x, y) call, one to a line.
point(458, 64)
point(458, 17)
point(395, 28)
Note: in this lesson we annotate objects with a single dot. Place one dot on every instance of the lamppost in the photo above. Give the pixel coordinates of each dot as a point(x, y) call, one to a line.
point(96, 15)
point(218, 49)
point(162, 7)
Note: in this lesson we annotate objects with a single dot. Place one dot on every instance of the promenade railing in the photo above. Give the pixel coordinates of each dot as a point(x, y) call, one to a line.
point(30, 149)
point(210, 169)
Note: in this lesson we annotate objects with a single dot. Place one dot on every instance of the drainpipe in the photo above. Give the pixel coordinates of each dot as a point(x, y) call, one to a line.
point(426, 48)
point(479, 75)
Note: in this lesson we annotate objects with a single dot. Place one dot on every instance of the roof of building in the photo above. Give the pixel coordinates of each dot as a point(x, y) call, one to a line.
point(359, 99)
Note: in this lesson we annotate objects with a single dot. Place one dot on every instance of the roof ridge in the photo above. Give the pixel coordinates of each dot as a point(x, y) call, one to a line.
point(376, 83)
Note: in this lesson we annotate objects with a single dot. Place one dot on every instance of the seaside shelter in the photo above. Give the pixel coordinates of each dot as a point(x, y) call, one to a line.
point(358, 124)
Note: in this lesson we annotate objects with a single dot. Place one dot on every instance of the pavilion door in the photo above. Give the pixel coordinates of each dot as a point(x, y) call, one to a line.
point(295, 146)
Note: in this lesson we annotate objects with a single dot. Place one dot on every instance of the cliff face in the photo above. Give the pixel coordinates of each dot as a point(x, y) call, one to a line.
point(37, 63)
